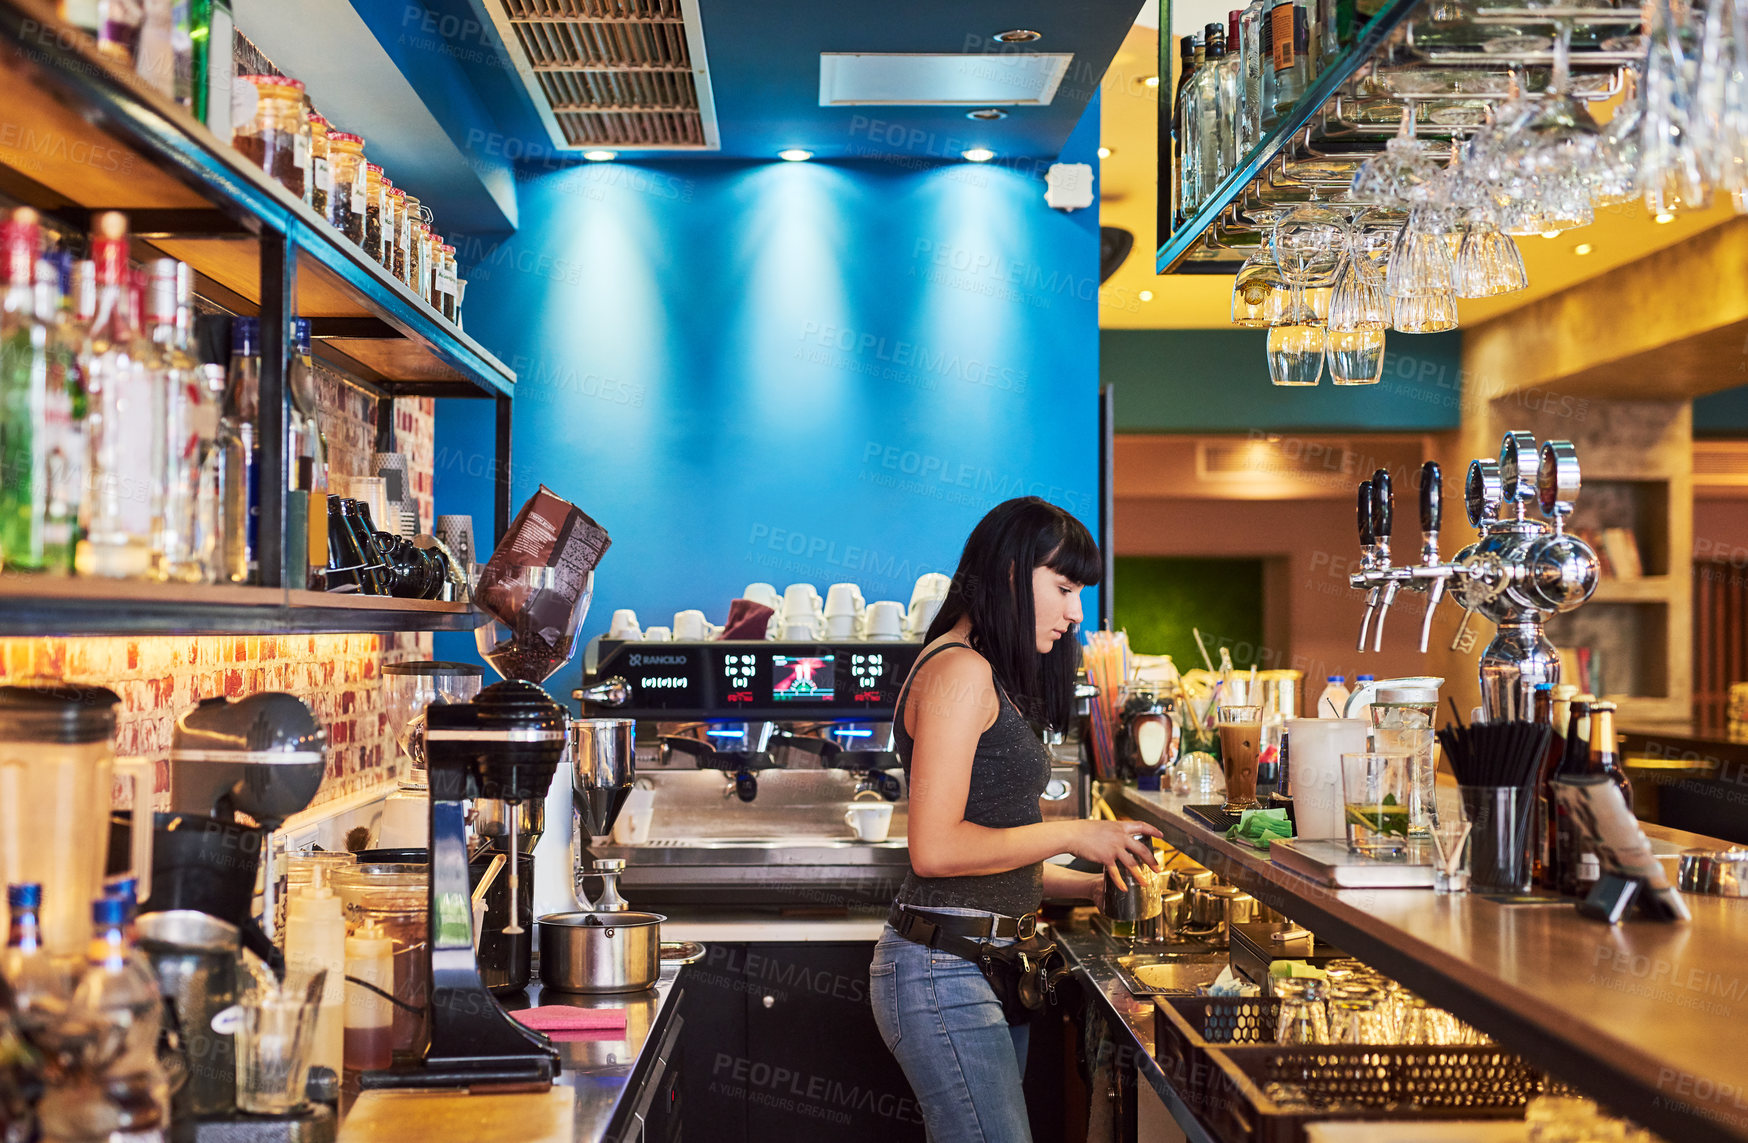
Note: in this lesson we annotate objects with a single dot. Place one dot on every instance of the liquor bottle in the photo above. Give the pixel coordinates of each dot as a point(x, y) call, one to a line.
point(124, 503)
point(224, 489)
point(80, 14)
point(1290, 43)
point(1325, 36)
point(1180, 125)
point(1206, 104)
point(1605, 751)
point(1542, 821)
point(211, 31)
point(63, 426)
point(119, 994)
point(166, 50)
point(24, 441)
point(242, 409)
point(1569, 848)
point(118, 30)
point(1250, 56)
point(190, 423)
point(28, 980)
point(1231, 106)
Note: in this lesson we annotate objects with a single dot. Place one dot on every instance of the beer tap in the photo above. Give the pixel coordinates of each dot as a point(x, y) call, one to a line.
point(1383, 510)
point(1519, 572)
point(1368, 560)
point(1431, 571)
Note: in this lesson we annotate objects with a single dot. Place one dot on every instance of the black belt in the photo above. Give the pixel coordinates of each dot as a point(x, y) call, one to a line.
point(951, 932)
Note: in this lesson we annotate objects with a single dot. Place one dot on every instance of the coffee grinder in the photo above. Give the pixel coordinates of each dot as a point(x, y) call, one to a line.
point(504, 746)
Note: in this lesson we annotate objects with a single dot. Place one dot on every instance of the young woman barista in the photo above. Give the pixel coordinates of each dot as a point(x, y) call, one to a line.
point(1001, 651)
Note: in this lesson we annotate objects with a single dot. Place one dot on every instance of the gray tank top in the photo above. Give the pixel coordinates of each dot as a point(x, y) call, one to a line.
point(1009, 771)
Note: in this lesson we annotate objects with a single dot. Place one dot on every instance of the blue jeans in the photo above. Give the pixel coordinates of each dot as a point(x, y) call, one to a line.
point(942, 1021)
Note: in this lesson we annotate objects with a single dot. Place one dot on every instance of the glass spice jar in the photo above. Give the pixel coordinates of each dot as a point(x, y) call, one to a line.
point(409, 237)
point(272, 136)
point(387, 207)
point(397, 248)
point(305, 153)
point(422, 242)
point(433, 269)
point(373, 211)
point(446, 274)
point(346, 202)
point(321, 171)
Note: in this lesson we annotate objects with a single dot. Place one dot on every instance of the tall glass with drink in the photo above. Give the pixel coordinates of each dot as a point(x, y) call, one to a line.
point(1240, 730)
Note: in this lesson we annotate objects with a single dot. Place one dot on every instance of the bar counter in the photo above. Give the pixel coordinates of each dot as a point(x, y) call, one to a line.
point(1645, 1017)
point(603, 1094)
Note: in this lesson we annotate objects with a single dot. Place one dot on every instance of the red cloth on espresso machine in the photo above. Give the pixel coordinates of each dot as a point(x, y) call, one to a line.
point(746, 620)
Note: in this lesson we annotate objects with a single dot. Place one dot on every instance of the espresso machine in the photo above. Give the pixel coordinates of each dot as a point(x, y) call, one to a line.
point(1518, 573)
point(751, 751)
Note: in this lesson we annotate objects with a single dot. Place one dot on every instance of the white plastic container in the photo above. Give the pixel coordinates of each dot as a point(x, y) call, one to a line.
point(1314, 750)
point(315, 939)
point(369, 1018)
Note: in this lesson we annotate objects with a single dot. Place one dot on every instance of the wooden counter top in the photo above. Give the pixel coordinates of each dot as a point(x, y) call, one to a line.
point(1649, 1019)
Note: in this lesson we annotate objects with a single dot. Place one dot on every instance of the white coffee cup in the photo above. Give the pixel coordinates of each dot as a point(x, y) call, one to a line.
point(929, 585)
point(922, 613)
point(801, 601)
point(691, 625)
point(624, 625)
point(803, 632)
point(869, 821)
point(884, 620)
point(657, 635)
point(631, 827)
point(843, 599)
point(763, 593)
point(1314, 750)
point(840, 627)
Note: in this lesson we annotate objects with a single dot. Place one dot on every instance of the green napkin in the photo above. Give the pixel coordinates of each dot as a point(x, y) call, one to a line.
point(1259, 827)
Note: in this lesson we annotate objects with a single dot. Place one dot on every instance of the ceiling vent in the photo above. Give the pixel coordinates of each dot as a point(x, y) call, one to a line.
point(621, 74)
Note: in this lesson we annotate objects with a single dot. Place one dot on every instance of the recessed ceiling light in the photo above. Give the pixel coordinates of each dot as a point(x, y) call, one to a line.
point(1583, 248)
point(1550, 234)
point(1018, 36)
point(977, 155)
point(795, 155)
point(600, 156)
point(1662, 218)
point(1104, 152)
point(1150, 81)
point(1145, 295)
point(987, 114)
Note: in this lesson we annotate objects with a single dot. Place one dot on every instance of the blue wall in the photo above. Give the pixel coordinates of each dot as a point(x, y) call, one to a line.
point(1195, 380)
point(783, 371)
point(1722, 414)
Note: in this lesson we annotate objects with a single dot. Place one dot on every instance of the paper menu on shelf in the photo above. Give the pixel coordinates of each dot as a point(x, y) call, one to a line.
point(1611, 831)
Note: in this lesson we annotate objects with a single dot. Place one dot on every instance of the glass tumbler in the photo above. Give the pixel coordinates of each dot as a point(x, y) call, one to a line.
point(1304, 1018)
point(1499, 848)
point(1375, 794)
point(1240, 730)
point(275, 1031)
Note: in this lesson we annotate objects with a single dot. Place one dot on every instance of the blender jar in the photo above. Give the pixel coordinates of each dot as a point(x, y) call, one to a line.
point(57, 766)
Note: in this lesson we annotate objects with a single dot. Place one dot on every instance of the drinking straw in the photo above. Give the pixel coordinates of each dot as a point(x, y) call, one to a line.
point(1203, 648)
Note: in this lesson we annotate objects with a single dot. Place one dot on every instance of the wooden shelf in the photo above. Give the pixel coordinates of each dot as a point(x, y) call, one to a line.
point(1645, 589)
point(66, 605)
point(78, 135)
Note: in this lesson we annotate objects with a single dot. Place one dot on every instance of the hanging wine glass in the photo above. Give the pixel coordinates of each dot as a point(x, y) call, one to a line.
point(1260, 291)
point(1671, 173)
point(1303, 243)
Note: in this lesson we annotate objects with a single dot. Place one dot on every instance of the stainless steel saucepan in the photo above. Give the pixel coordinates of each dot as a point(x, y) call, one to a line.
point(600, 952)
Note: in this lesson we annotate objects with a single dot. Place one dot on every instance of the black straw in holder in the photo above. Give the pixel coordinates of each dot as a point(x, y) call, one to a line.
point(1496, 765)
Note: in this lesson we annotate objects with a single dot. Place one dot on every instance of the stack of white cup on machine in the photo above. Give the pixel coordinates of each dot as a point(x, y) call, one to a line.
point(799, 615)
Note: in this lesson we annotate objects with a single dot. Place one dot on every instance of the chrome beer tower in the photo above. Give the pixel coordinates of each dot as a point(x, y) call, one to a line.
point(1518, 573)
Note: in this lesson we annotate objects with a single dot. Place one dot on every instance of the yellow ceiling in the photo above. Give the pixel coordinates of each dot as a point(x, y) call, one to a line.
point(1129, 116)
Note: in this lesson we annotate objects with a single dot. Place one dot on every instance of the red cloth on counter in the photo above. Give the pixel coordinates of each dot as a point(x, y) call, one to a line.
point(566, 1022)
point(746, 620)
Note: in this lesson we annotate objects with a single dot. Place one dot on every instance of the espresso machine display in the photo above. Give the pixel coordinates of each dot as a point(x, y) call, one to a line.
point(803, 678)
point(751, 680)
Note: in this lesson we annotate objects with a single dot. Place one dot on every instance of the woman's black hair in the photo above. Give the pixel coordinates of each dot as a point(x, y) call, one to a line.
point(993, 586)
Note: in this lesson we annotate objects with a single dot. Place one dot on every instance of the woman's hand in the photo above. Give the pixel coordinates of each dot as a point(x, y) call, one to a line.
point(1114, 845)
